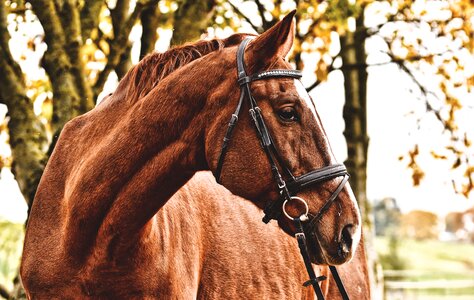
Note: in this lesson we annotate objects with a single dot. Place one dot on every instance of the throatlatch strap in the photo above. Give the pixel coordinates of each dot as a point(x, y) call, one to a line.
point(235, 116)
point(227, 137)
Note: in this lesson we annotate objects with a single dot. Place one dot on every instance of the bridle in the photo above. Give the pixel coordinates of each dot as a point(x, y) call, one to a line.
point(292, 185)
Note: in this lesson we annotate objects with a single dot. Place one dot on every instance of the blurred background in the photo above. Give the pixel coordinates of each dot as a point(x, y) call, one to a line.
point(392, 81)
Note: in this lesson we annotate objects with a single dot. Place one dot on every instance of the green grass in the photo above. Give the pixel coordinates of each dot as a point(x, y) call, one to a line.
point(11, 242)
point(433, 259)
point(429, 261)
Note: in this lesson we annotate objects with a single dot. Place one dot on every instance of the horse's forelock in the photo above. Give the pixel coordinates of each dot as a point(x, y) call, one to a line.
point(155, 66)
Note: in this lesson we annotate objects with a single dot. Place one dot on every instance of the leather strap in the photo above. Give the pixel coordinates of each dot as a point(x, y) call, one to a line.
point(313, 279)
point(317, 176)
point(339, 283)
point(322, 210)
point(227, 137)
point(235, 116)
point(270, 74)
point(254, 111)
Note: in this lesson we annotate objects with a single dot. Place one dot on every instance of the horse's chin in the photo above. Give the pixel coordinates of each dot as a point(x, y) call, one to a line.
point(322, 256)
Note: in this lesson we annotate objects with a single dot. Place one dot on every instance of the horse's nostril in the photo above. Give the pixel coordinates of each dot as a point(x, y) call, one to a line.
point(346, 238)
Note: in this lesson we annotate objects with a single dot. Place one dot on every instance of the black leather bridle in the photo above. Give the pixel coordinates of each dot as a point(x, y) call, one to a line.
point(288, 185)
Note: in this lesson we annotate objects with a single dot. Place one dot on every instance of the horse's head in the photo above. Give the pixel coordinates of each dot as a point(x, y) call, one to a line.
point(296, 146)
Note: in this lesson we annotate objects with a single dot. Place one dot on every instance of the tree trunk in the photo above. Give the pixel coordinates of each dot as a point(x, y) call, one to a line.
point(191, 19)
point(355, 116)
point(355, 111)
point(150, 21)
point(57, 64)
point(27, 134)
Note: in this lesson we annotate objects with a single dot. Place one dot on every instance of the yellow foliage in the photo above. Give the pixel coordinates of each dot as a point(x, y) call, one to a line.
point(438, 156)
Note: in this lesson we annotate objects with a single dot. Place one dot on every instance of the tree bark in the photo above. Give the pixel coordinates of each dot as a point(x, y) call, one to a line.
point(355, 112)
point(191, 19)
point(57, 64)
point(27, 134)
point(150, 21)
point(355, 116)
point(70, 18)
point(90, 13)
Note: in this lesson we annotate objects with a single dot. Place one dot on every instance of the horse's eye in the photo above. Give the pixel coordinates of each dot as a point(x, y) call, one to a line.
point(288, 114)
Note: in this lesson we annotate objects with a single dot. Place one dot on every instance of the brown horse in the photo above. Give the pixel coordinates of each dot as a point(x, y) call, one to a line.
point(243, 257)
point(93, 229)
point(240, 256)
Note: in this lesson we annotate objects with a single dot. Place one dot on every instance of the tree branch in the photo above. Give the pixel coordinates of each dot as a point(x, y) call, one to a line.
point(27, 134)
point(149, 19)
point(318, 82)
point(119, 15)
point(245, 17)
point(57, 64)
point(313, 85)
point(191, 19)
point(402, 65)
point(395, 60)
point(4, 42)
point(90, 17)
point(261, 11)
point(70, 17)
point(125, 62)
point(117, 48)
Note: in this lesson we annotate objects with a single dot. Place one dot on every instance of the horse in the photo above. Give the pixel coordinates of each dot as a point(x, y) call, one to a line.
point(241, 257)
point(93, 231)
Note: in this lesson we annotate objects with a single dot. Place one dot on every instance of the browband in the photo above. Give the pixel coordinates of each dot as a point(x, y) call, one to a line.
point(271, 73)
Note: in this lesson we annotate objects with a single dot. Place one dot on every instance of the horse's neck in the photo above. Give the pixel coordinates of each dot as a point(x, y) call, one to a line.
point(121, 169)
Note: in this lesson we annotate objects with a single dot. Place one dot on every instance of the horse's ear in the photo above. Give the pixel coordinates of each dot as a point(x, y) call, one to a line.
point(271, 45)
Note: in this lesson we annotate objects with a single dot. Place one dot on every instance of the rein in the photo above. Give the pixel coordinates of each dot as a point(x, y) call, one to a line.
point(292, 185)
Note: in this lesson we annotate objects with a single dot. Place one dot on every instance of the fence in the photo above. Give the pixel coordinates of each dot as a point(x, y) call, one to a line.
point(416, 285)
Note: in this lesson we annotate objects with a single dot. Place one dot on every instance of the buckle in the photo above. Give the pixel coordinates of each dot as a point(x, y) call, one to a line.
point(244, 80)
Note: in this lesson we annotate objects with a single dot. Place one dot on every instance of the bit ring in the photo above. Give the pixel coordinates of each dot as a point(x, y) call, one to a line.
point(303, 217)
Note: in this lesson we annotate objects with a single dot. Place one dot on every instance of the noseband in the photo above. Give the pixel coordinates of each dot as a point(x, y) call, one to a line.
point(288, 185)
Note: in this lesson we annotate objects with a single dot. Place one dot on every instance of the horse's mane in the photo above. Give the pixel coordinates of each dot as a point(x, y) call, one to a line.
point(144, 76)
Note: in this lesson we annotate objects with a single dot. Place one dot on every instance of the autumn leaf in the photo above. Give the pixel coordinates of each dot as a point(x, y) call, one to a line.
point(456, 164)
point(438, 156)
point(417, 176)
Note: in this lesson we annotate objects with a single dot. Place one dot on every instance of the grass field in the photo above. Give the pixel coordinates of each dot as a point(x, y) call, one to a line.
point(436, 270)
point(435, 259)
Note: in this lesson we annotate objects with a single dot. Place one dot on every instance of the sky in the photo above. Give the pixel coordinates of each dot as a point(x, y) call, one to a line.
point(391, 131)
